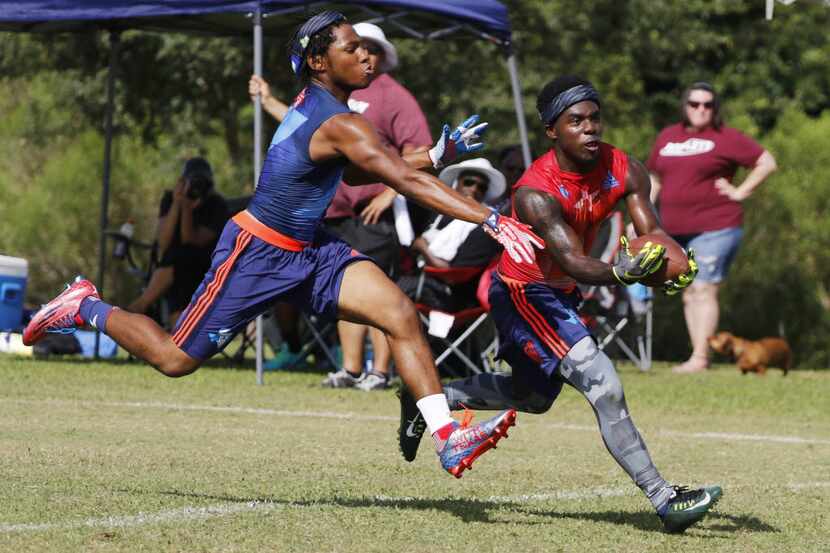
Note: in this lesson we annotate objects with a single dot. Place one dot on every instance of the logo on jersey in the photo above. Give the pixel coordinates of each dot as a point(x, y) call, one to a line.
point(221, 338)
point(610, 182)
point(691, 147)
point(586, 200)
point(564, 191)
point(299, 99)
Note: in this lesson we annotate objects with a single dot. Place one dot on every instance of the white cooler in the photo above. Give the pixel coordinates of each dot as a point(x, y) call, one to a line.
point(13, 274)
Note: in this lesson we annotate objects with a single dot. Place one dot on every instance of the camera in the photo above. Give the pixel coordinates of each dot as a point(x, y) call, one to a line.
point(199, 187)
point(199, 177)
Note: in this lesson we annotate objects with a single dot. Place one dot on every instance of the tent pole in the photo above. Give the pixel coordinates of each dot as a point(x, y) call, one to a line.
point(105, 192)
point(258, 164)
point(518, 106)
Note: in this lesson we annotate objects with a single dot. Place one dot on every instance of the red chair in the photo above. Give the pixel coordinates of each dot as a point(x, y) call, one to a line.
point(465, 321)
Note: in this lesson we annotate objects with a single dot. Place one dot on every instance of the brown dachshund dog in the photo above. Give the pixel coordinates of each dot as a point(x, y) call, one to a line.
point(754, 356)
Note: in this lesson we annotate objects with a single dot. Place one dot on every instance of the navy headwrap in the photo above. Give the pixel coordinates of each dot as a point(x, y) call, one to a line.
point(566, 99)
point(299, 43)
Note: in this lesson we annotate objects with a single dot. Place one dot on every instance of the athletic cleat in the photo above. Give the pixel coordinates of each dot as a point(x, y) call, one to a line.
point(688, 507)
point(60, 315)
point(466, 443)
point(340, 379)
point(412, 425)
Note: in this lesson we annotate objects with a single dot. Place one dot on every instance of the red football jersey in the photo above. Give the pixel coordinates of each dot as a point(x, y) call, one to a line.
point(586, 201)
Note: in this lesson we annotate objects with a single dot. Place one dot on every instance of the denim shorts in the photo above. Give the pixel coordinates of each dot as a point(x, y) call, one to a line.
point(714, 251)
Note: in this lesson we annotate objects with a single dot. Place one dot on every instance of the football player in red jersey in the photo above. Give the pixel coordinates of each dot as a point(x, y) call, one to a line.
point(565, 195)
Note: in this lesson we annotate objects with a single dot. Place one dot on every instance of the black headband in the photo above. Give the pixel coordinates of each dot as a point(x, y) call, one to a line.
point(566, 99)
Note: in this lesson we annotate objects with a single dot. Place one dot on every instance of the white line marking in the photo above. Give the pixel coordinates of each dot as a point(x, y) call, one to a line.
point(126, 521)
point(189, 514)
point(709, 435)
point(355, 416)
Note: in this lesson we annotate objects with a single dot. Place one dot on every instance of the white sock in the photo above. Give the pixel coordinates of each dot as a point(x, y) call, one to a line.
point(435, 410)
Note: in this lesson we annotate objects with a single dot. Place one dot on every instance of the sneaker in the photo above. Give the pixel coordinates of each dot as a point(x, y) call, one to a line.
point(412, 425)
point(466, 443)
point(341, 379)
point(688, 506)
point(372, 381)
point(61, 314)
point(284, 360)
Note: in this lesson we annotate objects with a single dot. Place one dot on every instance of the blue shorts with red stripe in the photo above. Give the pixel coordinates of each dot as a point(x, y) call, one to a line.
point(248, 274)
point(538, 325)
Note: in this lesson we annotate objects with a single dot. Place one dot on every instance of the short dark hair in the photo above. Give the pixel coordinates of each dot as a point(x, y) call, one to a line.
point(717, 117)
point(556, 87)
point(318, 44)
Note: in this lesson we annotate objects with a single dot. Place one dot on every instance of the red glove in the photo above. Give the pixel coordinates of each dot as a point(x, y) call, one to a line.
point(516, 238)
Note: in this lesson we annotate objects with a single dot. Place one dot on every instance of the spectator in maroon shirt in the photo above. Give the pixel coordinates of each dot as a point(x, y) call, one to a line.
point(692, 165)
point(362, 215)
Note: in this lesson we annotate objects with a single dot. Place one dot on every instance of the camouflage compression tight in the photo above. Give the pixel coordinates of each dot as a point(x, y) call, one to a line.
point(590, 371)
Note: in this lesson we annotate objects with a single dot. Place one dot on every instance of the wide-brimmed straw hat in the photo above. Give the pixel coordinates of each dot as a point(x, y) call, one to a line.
point(496, 185)
point(372, 32)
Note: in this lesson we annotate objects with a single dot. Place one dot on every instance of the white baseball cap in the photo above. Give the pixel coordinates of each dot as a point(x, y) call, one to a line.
point(497, 184)
point(372, 32)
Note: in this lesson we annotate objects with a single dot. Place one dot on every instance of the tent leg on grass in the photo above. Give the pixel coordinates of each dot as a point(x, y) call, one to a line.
point(105, 193)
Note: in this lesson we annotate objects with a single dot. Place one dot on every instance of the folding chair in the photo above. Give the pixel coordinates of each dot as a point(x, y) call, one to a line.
point(609, 310)
point(460, 340)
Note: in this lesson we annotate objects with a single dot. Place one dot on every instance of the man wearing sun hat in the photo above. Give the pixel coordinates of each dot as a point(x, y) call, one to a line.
point(449, 242)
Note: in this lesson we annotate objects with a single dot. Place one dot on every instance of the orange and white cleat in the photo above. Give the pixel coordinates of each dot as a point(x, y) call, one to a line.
point(467, 443)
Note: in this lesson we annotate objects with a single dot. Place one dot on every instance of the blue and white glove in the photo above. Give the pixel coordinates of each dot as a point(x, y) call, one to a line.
point(464, 139)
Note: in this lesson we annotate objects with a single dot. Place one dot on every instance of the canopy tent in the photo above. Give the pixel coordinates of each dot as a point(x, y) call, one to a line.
point(422, 19)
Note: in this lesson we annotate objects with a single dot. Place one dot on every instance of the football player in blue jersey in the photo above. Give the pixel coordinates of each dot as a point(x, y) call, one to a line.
point(275, 250)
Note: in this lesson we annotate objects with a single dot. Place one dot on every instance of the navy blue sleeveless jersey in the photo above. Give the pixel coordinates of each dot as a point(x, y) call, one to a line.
point(294, 192)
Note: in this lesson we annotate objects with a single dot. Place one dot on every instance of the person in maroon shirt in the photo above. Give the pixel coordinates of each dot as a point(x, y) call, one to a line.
point(362, 215)
point(692, 166)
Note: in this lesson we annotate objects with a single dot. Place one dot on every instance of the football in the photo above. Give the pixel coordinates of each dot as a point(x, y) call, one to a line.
point(675, 262)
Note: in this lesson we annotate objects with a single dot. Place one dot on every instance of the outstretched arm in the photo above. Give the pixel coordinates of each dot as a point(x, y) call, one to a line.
point(350, 135)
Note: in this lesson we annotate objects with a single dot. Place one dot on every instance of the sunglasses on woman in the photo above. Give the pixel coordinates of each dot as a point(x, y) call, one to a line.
point(694, 105)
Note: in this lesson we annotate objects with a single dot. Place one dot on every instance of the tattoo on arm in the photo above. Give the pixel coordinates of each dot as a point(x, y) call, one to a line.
point(544, 213)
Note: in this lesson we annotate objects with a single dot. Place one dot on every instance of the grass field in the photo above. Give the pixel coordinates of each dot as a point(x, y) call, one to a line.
point(114, 457)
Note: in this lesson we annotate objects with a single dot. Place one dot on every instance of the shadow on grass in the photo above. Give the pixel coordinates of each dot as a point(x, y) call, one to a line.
point(474, 510)
point(714, 522)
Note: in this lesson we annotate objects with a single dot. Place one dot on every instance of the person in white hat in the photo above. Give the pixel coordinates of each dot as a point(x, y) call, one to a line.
point(362, 215)
point(452, 242)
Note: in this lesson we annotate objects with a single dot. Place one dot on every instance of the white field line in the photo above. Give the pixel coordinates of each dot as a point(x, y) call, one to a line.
point(709, 435)
point(360, 417)
point(189, 514)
